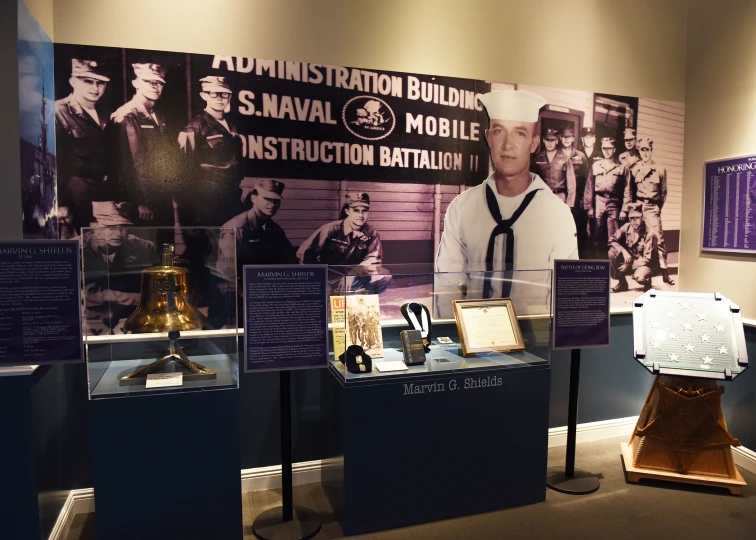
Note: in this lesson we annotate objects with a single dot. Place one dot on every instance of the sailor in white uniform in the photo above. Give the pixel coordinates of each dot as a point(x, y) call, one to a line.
point(510, 222)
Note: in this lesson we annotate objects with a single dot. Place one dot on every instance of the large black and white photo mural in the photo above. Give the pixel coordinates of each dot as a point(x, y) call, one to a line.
point(350, 166)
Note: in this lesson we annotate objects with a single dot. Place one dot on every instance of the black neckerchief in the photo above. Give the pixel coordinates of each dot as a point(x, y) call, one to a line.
point(503, 226)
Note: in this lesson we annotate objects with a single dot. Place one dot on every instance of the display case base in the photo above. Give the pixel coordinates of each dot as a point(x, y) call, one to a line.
point(446, 445)
point(19, 508)
point(167, 466)
point(636, 474)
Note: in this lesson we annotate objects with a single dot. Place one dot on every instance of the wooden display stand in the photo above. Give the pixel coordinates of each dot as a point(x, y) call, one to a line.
point(682, 436)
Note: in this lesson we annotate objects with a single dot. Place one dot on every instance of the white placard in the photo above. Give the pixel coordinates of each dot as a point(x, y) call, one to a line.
point(394, 365)
point(160, 380)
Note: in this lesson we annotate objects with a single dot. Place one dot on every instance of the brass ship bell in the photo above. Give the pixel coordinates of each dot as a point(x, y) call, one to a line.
point(164, 306)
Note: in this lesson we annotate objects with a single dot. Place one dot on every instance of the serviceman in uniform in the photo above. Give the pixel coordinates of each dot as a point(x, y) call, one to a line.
point(576, 172)
point(350, 241)
point(633, 251)
point(607, 194)
point(649, 184)
point(258, 239)
point(113, 259)
point(542, 165)
point(80, 143)
point(511, 221)
point(213, 151)
point(588, 143)
point(630, 156)
point(147, 158)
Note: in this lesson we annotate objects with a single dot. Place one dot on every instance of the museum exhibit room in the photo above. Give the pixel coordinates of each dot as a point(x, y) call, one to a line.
point(387, 269)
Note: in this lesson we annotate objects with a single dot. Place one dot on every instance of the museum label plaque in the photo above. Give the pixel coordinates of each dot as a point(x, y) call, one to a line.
point(729, 205)
point(285, 317)
point(40, 303)
point(581, 304)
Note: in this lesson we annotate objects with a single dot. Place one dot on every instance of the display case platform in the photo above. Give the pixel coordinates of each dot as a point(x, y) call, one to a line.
point(19, 508)
point(420, 447)
point(636, 474)
point(167, 466)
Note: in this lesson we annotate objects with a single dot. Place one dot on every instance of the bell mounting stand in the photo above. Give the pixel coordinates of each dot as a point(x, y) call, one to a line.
point(569, 480)
point(286, 522)
point(176, 354)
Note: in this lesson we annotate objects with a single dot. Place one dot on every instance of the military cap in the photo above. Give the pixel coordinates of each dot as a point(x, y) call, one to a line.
point(635, 209)
point(645, 141)
point(567, 131)
point(551, 134)
point(88, 68)
point(215, 84)
point(513, 105)
point(357, 199)
point(150, 72)
point(266, 187)
point(629, 133)
point(607, 140)
point(586, 131)
point(111, 214)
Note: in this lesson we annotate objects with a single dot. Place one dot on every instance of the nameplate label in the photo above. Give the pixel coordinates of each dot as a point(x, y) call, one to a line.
point(161, 380)
point(452, 385)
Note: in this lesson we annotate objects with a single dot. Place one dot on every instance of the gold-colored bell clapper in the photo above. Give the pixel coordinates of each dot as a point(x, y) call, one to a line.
point(164, 307)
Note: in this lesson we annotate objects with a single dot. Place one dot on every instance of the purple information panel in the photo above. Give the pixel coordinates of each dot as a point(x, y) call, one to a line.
point(729, 205)
point(40, 303)
point(285, 324)
point(581, 304)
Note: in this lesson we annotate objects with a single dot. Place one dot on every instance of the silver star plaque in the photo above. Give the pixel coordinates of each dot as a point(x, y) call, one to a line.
point(689, 347)
point(704, 338)
point(723, 350)
point(720, 328)
point(688, 325)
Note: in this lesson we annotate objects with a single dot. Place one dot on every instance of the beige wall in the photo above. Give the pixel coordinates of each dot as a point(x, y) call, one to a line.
point(42, 10)
point(630, 47)
point(720, 122)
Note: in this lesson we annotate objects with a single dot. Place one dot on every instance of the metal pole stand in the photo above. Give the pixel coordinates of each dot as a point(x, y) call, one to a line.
point(287, 522)
point(571, 481)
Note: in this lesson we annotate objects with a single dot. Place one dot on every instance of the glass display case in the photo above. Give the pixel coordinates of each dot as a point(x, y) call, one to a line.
point(369, 310)
point(158, 302)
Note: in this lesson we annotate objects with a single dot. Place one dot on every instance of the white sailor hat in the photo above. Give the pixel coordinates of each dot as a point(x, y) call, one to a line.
point(513, 105)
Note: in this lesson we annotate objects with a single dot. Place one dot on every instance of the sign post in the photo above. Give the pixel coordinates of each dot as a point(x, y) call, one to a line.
point(581, 320)
point(285, 328)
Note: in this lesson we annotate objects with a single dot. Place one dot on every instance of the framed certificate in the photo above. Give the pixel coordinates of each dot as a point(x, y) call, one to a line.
point(487, 326)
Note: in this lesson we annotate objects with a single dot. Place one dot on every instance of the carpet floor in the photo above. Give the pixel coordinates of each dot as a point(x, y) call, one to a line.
point(617, 511)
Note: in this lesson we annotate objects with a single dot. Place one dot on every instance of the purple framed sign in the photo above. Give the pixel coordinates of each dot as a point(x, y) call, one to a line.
point(40, 302)
point(729, 205)
point(581, 304)
point(285, 324)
